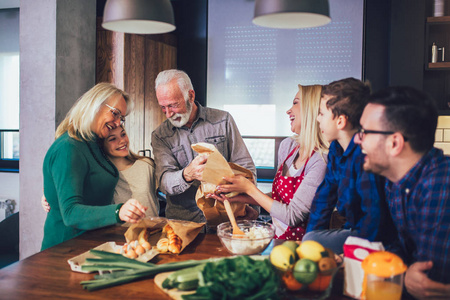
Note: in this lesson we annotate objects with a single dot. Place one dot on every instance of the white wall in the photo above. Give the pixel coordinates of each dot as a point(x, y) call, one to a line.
point(57, 44)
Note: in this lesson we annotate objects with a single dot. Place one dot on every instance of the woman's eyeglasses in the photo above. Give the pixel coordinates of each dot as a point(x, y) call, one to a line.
point(116, 114)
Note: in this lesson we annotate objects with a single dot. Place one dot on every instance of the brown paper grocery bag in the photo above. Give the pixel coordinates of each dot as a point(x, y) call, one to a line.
point(216, 168)
point(153, 224)
point(186, 230)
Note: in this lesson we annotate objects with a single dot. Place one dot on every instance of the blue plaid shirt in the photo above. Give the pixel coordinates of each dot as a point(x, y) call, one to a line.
point(358, 196)
point(420, 207)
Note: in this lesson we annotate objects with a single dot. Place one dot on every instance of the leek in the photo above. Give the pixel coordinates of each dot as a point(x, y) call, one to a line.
point(131, 270)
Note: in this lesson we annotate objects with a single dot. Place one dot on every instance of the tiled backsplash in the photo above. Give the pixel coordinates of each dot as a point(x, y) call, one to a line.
point(443, 134)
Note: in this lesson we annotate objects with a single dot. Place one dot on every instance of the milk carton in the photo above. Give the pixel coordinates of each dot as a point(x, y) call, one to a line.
point(355, 250)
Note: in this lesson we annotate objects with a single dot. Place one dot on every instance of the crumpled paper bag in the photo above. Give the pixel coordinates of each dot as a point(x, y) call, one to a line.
point(186, 230)
point(215, 169)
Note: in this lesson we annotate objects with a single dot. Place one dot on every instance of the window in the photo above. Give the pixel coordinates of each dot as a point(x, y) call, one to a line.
point(253, 71)
point(264, 151)
point(9, 90)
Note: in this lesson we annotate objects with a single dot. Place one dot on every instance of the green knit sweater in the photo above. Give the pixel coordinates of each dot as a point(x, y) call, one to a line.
point(78, 188)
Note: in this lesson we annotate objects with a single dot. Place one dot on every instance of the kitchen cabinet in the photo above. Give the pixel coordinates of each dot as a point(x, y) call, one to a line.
point(132, 62)
point(436, 79)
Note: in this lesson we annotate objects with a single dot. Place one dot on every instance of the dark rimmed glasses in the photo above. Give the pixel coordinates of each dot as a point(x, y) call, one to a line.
point(362, 132)
point(116, 114)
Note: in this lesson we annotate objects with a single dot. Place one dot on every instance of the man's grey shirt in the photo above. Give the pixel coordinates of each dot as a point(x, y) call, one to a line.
point(172, 152)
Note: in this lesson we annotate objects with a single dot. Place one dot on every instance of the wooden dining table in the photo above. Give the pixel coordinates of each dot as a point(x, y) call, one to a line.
point(47, 274)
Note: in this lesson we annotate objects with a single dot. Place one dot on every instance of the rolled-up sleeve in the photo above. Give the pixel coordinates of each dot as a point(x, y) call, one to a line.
point(168, 171)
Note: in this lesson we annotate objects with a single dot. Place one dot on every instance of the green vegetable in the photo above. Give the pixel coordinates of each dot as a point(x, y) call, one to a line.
point(240, 277)
point(131, 271)
point(184, 280)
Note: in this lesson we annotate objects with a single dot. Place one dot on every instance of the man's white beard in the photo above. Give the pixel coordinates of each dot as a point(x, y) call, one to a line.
point(184, 118)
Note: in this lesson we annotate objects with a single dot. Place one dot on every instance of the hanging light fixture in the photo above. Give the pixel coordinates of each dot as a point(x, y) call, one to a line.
point(139, 16)
point(291, 14)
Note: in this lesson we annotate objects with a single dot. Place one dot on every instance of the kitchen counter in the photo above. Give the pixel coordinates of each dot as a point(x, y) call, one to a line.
point(48, 275)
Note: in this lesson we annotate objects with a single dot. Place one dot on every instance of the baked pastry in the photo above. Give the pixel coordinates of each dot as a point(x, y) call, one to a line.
point(143, 236)
point(174, 240)
point(163, 245)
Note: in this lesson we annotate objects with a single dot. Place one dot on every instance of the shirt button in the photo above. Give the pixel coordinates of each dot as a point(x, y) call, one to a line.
point(407, 191)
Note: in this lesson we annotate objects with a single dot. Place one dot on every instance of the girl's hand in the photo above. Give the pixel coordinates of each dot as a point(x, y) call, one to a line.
point(238, 184)
point(45, 204)
point(132, 211)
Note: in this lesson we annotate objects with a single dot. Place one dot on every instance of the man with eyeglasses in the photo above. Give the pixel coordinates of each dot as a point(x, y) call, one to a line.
point(397, 136)
point(178, 170)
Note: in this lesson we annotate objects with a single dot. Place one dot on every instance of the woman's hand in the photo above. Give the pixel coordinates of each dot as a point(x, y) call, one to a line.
point(132, 211)
point(238, 184)
point(45, 204)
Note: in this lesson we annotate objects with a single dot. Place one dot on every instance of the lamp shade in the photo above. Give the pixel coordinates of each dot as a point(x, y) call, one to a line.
point(139, 16)
point(291, 14)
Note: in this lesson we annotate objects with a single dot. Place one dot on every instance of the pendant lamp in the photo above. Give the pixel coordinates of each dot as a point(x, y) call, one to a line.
point(139, 16)
point(291, 14)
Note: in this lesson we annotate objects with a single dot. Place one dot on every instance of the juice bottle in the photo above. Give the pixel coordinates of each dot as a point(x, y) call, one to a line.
point(383, 276)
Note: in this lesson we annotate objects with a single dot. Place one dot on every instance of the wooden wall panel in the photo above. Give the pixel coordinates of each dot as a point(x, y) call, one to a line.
point(134, 78)
point(110, 56)
point(132, 63)
point(160, 56)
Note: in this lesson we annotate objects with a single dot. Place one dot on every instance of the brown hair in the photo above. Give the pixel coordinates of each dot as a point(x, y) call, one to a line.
point(349, 96)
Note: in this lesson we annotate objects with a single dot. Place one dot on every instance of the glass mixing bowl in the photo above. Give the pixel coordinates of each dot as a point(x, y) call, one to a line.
point(258, 236)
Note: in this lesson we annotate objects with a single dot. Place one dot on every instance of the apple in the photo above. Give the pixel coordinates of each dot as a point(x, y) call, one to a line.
point(305, 271)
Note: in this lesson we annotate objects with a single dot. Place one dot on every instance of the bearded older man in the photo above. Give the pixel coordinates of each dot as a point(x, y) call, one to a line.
point(178, 170)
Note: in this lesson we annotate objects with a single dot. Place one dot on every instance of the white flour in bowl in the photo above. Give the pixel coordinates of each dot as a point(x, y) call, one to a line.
point(256, 240)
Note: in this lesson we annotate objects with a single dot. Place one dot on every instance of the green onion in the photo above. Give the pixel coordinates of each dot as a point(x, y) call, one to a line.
point(132, 270)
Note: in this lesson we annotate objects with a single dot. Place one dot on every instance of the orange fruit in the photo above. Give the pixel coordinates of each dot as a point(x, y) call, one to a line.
point(326, 265)
point(321, 283)
point(290, 282)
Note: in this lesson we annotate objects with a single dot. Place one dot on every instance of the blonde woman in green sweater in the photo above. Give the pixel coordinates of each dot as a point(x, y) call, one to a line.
point(79, 179)
point(136, 173)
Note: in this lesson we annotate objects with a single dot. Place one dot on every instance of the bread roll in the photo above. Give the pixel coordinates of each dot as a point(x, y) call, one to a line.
point(175, 244)
point(174, 241)
point(163, 245)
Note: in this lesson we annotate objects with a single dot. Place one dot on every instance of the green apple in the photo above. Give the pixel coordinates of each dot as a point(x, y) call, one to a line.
point(305, 271)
